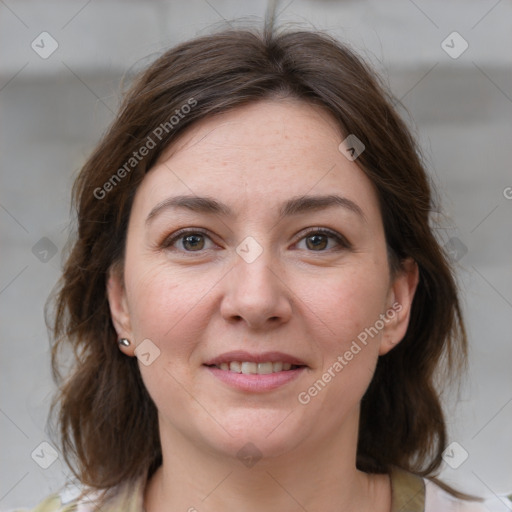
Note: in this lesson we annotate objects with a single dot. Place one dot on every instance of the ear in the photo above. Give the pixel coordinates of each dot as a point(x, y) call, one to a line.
point(399, 302)
point(119, 311)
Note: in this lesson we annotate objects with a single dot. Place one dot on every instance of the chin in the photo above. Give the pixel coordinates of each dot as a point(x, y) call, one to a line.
point(257, 433)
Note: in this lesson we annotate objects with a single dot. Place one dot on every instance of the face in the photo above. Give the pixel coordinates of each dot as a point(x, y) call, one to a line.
point(254, 244)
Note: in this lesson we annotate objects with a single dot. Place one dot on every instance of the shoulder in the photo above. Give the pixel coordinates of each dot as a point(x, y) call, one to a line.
point(64, 501)
point(50, 504)
point(127, 497)
point(414, 493)
point(439, 500)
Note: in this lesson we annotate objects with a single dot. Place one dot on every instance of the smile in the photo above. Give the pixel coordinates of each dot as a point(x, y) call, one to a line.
point(255, 372)
point(252, 368)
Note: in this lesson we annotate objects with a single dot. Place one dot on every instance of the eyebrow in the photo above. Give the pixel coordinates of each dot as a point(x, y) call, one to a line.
point(294, 206)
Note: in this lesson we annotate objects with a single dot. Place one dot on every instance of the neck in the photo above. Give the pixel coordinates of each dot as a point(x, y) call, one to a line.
point(314, 477)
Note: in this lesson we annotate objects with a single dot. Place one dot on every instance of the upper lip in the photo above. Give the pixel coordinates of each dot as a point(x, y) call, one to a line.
point(264, 357)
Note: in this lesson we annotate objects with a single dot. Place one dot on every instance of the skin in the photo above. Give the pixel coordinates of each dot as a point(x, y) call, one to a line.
point(307, 300)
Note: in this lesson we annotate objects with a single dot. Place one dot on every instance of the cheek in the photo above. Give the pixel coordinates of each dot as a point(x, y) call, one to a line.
point(350, 308)
point(347, 302)
point(162, 304)
point(165, 307)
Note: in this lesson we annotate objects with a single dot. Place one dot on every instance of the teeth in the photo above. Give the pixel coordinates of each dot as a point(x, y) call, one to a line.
point(277, 367)
point(251, 368)
point(235, 366)
point(264, 368)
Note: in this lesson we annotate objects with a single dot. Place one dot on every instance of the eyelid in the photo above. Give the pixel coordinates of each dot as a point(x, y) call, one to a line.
point(340, 239)
point(168, 241)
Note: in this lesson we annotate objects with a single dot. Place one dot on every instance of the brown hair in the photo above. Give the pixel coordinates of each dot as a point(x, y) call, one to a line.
point(402, 422)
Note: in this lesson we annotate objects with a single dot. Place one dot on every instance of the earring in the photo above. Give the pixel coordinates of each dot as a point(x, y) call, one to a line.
point(124, 342)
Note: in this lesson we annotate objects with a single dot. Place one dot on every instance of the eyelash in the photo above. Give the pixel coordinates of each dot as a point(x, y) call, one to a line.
point(341, 240)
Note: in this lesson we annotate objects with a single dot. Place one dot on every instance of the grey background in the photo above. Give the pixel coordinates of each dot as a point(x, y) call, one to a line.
point(54, 110)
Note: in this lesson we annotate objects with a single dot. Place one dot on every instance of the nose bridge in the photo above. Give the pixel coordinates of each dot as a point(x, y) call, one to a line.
point(255, 293)
point(257, 277)
point(254, 261)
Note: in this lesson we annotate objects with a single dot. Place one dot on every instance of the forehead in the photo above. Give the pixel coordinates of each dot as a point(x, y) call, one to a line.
point(260, 154)
point(270, 131)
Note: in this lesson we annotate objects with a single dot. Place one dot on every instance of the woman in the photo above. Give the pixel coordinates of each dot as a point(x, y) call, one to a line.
point(255, 297)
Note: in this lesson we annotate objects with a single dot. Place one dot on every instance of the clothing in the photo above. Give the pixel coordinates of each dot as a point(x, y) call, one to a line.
point(410, 493)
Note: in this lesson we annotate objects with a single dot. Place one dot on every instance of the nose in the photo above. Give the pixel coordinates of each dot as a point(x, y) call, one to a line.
point(256, 294)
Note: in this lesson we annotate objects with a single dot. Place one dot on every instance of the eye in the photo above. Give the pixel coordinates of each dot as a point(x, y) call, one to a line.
point(188, 240)
point(321, 239)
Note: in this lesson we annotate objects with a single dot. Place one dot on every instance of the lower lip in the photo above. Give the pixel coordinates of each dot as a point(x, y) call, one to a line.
point(254, 382)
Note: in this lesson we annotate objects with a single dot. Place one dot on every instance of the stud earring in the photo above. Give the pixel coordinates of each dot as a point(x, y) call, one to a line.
point(124, 342)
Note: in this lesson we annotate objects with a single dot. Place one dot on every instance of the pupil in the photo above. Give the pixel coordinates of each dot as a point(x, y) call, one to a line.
point(193, 242)
point(318, 241)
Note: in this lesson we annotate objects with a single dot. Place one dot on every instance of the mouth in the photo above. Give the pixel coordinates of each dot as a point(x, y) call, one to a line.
point(256, 372)
point(252, 368)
